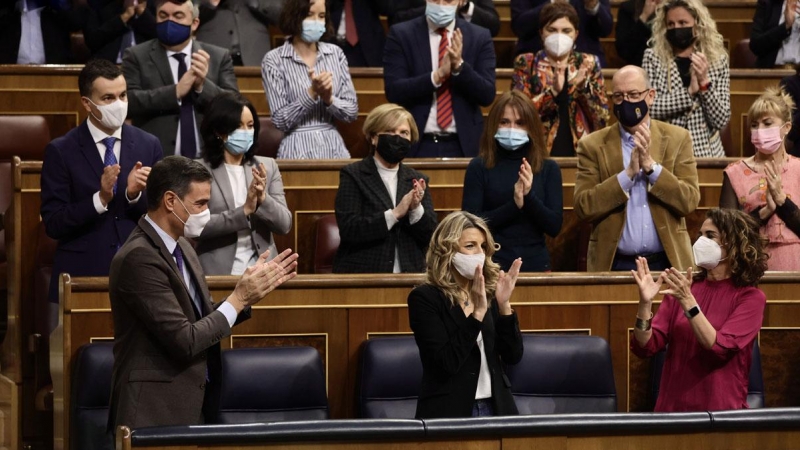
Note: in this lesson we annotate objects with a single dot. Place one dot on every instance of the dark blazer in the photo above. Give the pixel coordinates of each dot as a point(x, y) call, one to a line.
point(631, 33)
point(525, 24)
point(241, 26)
point(791, 85)
point(484, 13)
point(407, 77)
point(56, 28)
point(152, 104)
point(766, 36)
point(163, 353)
point(371, 35)
point(104, 29)
point(367, 246)
point(451, 359)
point(71, 174)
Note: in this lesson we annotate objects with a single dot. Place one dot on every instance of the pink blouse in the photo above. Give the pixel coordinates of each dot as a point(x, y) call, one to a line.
point(695, 379)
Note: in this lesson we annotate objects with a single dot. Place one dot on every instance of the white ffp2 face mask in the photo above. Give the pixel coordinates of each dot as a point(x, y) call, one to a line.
point(707, 253)
point(114, 114)
point(558, 44)
point(193, 227)
point(466, 264)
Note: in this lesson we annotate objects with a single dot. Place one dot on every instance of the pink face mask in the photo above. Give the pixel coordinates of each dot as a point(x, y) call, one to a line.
point(766, 140)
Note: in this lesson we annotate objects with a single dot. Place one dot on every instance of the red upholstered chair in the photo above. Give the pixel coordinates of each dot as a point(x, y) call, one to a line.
point(26, 137)
point(327, 242)
point(727, 140)
point(742, 57)
point(269, 138)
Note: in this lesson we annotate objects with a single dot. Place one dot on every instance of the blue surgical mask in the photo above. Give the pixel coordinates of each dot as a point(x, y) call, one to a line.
point(172, 33)
point(312, 30)
point(511, 138)
point(240, 141)
point(440, 15)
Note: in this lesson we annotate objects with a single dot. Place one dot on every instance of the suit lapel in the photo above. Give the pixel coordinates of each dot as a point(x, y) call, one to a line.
point(373, 181)
point(159, 57)
point(658, 143)
point(196, 271)
point(424, 42)
point(89, 149)
point(127, 159)
point(224, 183)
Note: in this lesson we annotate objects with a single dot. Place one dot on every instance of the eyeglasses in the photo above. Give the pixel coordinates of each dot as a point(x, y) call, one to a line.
point(632, 96)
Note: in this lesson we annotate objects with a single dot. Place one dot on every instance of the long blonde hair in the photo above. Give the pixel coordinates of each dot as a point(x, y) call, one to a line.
point(708, 41)
point(444, 245)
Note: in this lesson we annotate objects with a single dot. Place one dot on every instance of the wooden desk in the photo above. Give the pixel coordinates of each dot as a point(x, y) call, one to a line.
point(336, 313)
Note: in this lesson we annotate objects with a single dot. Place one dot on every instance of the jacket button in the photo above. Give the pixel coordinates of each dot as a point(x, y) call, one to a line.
point(202, 386)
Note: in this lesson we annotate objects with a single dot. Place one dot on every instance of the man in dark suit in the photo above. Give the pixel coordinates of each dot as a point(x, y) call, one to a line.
point(359, 31)
point(166, 328)
point(93, 178)
point(115, 25)
point(42, 27)
point(241, 26)
point(442, 70)
point(480, 12)
point(173, 78)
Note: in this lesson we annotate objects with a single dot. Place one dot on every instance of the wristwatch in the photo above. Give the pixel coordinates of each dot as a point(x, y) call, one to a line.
point(691, 312)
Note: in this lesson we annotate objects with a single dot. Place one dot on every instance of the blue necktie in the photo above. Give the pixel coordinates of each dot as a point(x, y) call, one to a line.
point(188, 143)
point(178, 254)
point(110, 159)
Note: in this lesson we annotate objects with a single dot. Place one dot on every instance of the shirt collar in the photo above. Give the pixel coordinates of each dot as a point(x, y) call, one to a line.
point(627, 137)
point(433, 29)
point(98, 135)
point(287, 50)
point(168, 241)
point(185, 50)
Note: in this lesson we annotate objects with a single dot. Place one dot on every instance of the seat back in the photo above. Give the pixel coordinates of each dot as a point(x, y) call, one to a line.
point(272, 385)
point(390, 375)
point(45, 251)
point(269, 138)
point(563, 374)
point(742, 57)
point(91, 390)
point(755, 388)
point(327, 243)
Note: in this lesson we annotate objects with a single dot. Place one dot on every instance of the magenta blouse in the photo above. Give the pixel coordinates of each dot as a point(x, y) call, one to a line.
point(695, 379)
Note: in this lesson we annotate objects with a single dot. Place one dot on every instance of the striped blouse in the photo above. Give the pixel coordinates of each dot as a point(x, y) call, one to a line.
point(308, 124)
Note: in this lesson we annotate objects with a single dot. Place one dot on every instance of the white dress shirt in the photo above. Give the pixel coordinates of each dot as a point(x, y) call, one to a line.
point(31, 42)
point(97, 136)
point(435, 38)
point(245, 254)
point(484, 389)
point(173, 65)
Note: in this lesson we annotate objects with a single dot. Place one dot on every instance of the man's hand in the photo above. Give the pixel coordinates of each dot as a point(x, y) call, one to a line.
point(648, 9)
point(140, 7)
point(455, 49)
point(262, 278)
point(185, 84)
point(641, 139)
point(137, 180)
point(199, 68)
point(107, 183)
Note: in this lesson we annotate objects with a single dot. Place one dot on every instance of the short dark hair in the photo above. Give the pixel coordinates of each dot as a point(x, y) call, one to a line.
point(94, 69)
point(557, 10)
point(223, 115)
point(173, 173)
point(293, 14)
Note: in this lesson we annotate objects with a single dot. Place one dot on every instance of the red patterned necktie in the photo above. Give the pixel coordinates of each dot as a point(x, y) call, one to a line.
point(444, 104)
point(351, 34)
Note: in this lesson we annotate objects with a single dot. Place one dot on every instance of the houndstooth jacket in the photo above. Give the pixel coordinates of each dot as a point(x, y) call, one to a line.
point(704, 115)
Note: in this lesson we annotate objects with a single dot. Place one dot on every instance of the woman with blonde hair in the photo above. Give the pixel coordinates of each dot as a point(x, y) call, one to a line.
point(687, 65)
point(383, 207)
point(463, 323)
point(764, 184)
point(514, 185)
point(707, 320)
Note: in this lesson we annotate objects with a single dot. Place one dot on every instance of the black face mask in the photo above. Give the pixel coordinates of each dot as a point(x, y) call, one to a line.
point(630, 114)
point(392, 147)
point(681, 38)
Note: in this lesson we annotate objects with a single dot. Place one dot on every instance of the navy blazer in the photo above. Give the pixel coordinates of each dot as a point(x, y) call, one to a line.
point(451, 359)
point(371, 35)
point(525, 24)
point(71, 174)
point(767, 35)
point(407, 77)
